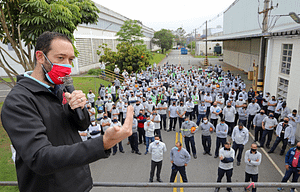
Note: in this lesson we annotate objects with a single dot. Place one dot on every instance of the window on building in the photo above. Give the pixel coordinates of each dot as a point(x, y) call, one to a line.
point(282, 88)
point(286, 59)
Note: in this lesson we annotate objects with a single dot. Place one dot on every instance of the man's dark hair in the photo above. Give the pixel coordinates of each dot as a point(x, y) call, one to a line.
point(43, 42)
point(156, 135)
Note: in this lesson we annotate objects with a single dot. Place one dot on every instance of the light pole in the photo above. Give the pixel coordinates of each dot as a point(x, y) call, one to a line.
point(206, 61)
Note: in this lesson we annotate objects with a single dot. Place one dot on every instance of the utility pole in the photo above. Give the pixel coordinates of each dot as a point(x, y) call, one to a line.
point(263, 42)
point(206, 61)
point(195, 41)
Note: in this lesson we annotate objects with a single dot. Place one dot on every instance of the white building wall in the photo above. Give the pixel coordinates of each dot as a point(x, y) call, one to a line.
point(242, 16)
point(273, 72)
point(201, 47)
point(240, 60)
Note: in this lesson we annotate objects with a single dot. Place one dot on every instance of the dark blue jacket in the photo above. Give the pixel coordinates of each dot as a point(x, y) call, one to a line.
point(290, 156)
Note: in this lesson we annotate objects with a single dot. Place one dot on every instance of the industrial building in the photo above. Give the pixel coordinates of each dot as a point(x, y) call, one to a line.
point(242, 33)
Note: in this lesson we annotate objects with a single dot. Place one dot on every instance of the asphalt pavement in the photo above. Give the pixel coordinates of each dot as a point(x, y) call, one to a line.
point(4, 90)
point(128, 167)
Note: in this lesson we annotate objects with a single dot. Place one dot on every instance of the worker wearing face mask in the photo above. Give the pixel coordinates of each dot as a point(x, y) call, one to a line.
point(189, 128)
point(157, 149)
point(283, 133)
point(226, 156)
point(292, 165)
point(268, 125)
point(179, 158)
point(181, 111)
point(252, 160)
point(207, 129)
point(115, 122)
point(221, 133)
point(240, 137)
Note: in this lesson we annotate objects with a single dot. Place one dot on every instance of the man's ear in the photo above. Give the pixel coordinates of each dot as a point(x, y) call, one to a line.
point(40, 58)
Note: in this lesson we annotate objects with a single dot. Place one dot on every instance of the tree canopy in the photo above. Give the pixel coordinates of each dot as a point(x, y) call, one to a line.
point(131, 32)
point(23, 21)
point(180, 36)
point(132, 55)
point(163, 38)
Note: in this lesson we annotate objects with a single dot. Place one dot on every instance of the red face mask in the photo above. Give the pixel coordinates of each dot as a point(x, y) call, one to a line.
point(57, 73)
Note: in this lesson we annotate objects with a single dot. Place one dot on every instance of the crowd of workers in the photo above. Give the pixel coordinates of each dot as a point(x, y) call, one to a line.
point(210, 100)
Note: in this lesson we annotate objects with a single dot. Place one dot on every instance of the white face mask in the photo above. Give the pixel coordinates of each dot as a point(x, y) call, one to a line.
point(205, 121)
point(93, 123)
point(156, 141)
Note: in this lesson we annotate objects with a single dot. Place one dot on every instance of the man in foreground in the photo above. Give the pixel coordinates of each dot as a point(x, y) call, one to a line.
point(39, 117)
point(179, 158)
point(226, 156)
point(157, 149)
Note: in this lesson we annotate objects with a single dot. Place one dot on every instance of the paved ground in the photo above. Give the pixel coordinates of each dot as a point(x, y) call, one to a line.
point(4, 90)
point(130, 167)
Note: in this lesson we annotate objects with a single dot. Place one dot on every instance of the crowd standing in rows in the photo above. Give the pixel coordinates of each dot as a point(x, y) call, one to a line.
point(210, 100)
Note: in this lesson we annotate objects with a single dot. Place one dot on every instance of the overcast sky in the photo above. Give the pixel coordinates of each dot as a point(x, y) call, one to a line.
point(159, 14)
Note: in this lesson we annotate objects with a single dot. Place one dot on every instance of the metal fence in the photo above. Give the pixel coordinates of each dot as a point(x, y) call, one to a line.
point(182, 185)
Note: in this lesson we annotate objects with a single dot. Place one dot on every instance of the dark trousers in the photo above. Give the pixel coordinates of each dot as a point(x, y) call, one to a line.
point(113, 97)
point(190, 115)
point(157, 132)
point(188, 141)
point(277, 141)
point(181, 120)
point(254, 178)
point(163, 122)
point(221, 173)
point(142, 136)
point(195, 111)
point(154, 165)
point(200, 117)
point(206, 143)
point(115, 148)
point(214, 122)
point(288, 174)
point(173, 121)
point(219, 141)
point(133, 139)
point(250, 121)
point(93, 104)
point(207, 112)
point(236, 117)
point(182, 172)
point(239, 147)
point(230, 127)
point(263, 138)
point(244, 122)
point(258, 132)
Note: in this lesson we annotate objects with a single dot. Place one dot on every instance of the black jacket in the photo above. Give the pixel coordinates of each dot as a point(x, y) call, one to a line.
point(44, 131)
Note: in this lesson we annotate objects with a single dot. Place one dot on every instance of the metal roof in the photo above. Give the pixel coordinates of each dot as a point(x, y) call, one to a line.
point(291, 31)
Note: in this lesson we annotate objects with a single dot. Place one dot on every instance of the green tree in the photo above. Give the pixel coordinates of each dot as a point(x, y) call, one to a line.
point(22, 21)
point(180, 36)
point(193, 45)
point(131, 32)
point(132, 55)
point(164, 39)
point(128, 56)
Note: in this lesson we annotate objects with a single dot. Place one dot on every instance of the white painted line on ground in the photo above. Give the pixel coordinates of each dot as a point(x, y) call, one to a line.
point(271, 160)
point(268, 156)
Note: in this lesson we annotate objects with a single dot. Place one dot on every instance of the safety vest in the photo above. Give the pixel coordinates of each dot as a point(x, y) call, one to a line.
point(109, 90)
point(195, 102)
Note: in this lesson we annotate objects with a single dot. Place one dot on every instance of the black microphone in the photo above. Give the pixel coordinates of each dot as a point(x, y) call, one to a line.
point(68, 82)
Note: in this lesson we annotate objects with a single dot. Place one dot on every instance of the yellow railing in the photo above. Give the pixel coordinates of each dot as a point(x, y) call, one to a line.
point(111, 76)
